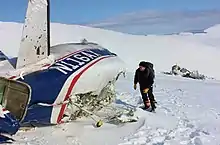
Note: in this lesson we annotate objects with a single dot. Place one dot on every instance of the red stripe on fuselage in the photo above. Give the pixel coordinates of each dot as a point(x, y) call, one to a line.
point(12, 77)
point(72, 85)
point(71, 54)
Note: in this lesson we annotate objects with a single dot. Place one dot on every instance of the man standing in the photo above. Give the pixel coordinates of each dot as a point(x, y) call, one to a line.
point(144, 75)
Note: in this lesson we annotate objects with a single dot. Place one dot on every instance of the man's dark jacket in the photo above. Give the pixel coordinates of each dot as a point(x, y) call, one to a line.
point(145, 78)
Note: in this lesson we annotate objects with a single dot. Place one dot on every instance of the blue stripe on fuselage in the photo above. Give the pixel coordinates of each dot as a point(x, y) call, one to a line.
point(47, 84)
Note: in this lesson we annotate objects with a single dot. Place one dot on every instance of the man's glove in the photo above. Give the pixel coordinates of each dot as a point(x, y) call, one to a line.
point(146, 90)
point(135, 86)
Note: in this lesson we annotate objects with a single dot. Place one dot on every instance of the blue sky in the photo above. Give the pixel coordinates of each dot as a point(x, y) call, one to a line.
point(86, 11)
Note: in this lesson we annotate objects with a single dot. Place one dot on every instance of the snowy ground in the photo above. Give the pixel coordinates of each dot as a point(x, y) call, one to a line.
point(188, 113)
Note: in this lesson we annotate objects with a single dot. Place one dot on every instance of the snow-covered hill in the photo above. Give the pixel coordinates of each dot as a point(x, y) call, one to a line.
point(160, 22)
point(188, 110)
point(196, 52)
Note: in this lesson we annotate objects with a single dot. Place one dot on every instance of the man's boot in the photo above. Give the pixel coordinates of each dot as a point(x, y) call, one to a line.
point(147, 104)
point(153, 106)
point(152, 110)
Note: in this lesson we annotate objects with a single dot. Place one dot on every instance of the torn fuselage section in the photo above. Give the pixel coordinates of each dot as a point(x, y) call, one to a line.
point(51, 95)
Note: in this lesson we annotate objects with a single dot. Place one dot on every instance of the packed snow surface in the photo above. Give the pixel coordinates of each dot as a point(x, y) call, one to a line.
point(188, 111)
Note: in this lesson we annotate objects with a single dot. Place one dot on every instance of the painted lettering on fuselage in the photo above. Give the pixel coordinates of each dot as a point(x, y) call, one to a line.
point(78, 60)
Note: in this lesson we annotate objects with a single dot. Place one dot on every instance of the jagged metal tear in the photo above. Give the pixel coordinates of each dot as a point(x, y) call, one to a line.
point(94, 103)
point(91, 102)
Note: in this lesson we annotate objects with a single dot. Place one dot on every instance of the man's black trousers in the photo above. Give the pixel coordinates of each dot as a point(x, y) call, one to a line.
point(150, 95)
